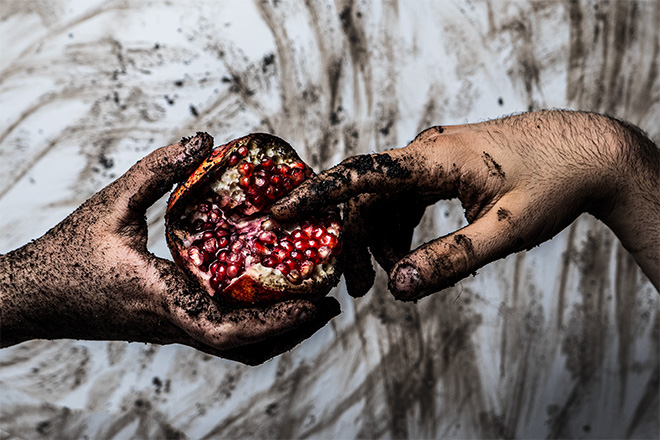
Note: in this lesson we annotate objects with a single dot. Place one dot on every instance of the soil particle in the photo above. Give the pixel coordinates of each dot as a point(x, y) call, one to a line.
point(380, 163)
point(494, 168)
point(465, 243)
point(503, 214)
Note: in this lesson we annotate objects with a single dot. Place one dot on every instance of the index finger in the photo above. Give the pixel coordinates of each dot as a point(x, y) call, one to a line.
point(387, 172)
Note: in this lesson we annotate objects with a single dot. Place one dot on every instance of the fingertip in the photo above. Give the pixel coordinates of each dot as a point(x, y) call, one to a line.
point(284, 209)
point(405, 283)
point(195, 149)
point(358, 286)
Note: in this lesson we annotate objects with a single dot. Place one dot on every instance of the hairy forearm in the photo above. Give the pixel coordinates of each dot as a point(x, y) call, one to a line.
point(26, 296)
point(634, 214)
point(41, 299)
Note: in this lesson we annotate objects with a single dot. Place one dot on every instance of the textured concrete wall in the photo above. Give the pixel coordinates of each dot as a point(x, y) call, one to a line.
point(560, 341)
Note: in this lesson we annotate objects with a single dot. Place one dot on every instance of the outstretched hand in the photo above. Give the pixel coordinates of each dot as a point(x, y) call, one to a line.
point(521, 180)
point(92, 277)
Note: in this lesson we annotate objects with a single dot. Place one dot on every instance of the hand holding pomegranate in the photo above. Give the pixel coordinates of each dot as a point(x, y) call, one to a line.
point(92, 277)
point(521, 180)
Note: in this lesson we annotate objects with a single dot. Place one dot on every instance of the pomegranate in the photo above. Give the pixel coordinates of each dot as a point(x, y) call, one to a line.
point(219, 229)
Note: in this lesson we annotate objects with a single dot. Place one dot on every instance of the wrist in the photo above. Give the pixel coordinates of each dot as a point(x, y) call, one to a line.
point(633, 208)
point(42, 298)
point(26, 293)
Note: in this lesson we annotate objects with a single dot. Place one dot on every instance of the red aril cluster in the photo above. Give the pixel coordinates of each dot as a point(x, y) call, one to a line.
point(227, 235)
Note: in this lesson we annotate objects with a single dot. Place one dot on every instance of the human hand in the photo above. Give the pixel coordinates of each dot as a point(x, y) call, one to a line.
point(521, 180)
point(92, 277)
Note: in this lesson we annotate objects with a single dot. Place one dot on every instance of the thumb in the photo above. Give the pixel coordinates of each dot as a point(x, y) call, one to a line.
point(441, 263)
point(150, 178)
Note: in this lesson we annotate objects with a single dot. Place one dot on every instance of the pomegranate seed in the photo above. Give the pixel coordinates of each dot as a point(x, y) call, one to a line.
point(318, 233)
point(233, 160)
point(313, 243)
point(242, 150)
point(268, 261)
point(221, 232)
point(298, 165)
point(211, 245)
point(232, 271)
point(287, 245)
point(301, 245)
point(234, 258)
point(222, 256)
point(260, 181)
point(246, 169)
point(329, 240)
point(294, 277)
point(257, 200)
point(306, 269)
point(215, 283)
point(288, 184)
point(298, 176)
point(291, 263)
point(221, 271)
point(279, 254)
point(214, 267)
point(311, 254)
point(324, 252)
point(297, 255)
point(308, 229)
point(282, 169)
point(267, 237)
point(299, 235)
point(196, 256)
point(236, 246)
point(208, 235)
point(208, 226)
point(267, 163)
point(245, 181)
point(203, 207)
point(278, 192)
point(276, 180)
point(270, 193)
point(222, 242)
point(215, 216)
point(283, 268)
point(260, 248)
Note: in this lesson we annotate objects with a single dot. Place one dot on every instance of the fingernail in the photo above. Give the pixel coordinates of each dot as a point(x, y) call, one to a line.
point(406, 283)
point(196, 144)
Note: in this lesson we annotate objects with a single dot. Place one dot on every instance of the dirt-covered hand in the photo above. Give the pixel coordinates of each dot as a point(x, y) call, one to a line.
point(92, 277)
point(521, 180)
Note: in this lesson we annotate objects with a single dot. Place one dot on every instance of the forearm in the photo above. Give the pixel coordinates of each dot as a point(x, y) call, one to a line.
point(42, 300)
point(634, 214)
point(27, 309)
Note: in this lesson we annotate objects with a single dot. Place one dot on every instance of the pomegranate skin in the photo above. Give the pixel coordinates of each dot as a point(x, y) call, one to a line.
point(257, 284)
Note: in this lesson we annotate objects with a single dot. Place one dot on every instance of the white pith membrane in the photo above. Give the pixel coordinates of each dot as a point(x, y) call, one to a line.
point(225, 228)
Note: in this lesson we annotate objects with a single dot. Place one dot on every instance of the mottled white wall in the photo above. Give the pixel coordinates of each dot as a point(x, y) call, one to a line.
point(561, 341)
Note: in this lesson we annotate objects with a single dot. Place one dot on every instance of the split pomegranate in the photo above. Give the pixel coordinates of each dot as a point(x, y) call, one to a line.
point(219, 229)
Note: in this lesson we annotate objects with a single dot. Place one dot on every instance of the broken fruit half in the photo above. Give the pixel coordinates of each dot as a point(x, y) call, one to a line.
point(219, 229)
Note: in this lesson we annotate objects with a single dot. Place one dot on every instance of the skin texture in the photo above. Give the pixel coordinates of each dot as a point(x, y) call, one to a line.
point(92, 277)
point(521, 179)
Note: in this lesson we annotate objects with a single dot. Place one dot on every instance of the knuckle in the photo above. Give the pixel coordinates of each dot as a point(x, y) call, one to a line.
point(428, 134)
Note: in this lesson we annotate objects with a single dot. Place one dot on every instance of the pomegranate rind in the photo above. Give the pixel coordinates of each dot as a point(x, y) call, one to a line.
point(249, 288)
